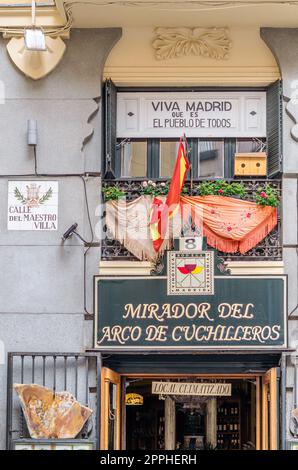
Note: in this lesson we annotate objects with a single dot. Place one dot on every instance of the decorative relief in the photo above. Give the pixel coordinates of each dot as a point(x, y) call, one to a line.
point(176, 42)
point(291, 110)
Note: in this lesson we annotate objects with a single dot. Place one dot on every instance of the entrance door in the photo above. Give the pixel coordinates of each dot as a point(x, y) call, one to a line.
point(150, 429)
point(230, 421)
point(110, 410)
point(270, 405)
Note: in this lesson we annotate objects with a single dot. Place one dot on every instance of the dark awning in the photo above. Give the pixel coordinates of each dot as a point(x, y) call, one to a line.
point(200, 363)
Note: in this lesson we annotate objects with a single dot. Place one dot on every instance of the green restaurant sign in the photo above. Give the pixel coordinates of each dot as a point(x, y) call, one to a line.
point(136, 313)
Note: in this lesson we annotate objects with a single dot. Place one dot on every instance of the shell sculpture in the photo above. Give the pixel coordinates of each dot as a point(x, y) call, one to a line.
point(51, 414)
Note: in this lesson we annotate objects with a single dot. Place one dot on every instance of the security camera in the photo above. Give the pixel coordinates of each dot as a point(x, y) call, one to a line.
point(69, 232)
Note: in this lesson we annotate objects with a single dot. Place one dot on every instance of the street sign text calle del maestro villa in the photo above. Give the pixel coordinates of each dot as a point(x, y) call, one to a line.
point(244, 312)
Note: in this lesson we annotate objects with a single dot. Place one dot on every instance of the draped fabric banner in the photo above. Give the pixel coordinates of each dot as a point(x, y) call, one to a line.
point(128, 222)
point(230, 225)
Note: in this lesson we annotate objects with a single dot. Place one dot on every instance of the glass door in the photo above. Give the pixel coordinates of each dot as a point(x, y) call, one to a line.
point(110, 429)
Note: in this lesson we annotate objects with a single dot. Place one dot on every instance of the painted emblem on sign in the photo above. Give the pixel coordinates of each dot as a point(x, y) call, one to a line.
point(32, 205)
point(190, 273)
point(32, 197)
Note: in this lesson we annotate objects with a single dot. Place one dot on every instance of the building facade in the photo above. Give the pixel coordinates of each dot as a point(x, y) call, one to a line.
point(110, 97)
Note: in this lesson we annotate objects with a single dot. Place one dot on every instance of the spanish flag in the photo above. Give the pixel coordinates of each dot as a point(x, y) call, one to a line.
point(160, 213)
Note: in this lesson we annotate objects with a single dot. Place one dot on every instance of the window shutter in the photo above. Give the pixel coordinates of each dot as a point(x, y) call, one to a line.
point(110, 122)
point(229, 155)
point(274, 128)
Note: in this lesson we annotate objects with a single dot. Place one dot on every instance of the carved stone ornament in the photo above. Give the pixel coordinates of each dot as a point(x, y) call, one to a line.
point(36, 64)
point(51, 414)
point(176, 42)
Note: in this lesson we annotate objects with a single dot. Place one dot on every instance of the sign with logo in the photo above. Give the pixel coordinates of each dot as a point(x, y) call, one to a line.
point(134, 399)
point(198, 114)
point(192, 389)
point(190, 273)
point(32, 205)
point(245, 312)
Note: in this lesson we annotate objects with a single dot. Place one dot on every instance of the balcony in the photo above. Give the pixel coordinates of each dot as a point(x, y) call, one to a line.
point(269, 249)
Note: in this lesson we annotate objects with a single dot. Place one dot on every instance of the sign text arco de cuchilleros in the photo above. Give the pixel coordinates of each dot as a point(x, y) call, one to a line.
point(244, 312)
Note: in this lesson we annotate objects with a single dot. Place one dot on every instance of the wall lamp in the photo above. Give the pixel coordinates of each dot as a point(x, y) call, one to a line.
point(32, 132)
point(34, 37)
point(72, 230)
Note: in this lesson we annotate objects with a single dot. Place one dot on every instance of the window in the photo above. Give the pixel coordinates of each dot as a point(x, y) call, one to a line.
point(250, 145)
point(155, 158)
point(49, 13)
point(168, 153)
point(133, 156)
point(211, 158)
point(25, 3)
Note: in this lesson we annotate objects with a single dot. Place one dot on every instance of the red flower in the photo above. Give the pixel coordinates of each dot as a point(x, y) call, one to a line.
point(248, 215)
point(263, 195)
point(212, 211)
point(220, 191)
point(229, 228)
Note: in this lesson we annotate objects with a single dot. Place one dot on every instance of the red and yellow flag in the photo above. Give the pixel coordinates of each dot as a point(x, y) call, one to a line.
point(160, 213)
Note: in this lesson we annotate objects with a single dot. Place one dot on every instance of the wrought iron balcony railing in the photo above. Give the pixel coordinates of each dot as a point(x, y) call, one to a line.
point(269, 249)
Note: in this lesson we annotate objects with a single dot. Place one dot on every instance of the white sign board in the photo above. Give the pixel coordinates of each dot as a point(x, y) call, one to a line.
point(190, 243)
point(197, 114)
point(192, 388)
point(32, 205)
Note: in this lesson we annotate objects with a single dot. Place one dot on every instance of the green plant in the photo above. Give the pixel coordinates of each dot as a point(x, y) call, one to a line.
point(185, 191)
point(150, 188)
point(112, 192)
point(221, 188)
point(267, 196)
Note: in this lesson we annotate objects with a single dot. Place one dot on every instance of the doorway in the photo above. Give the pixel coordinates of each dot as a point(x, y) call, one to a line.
point(246, 418)
point(192, 422)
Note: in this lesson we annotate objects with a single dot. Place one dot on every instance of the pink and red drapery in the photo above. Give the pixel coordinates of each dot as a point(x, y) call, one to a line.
point(230, 225)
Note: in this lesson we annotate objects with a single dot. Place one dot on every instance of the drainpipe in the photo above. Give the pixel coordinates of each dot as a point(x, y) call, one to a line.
point(295, 389)
point(283, 408)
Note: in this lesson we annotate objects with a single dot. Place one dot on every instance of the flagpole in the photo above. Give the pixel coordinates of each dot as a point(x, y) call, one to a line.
point(187, 149)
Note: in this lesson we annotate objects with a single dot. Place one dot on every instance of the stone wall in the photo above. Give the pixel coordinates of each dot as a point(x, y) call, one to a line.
point(282, 42)
point(42, 279)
